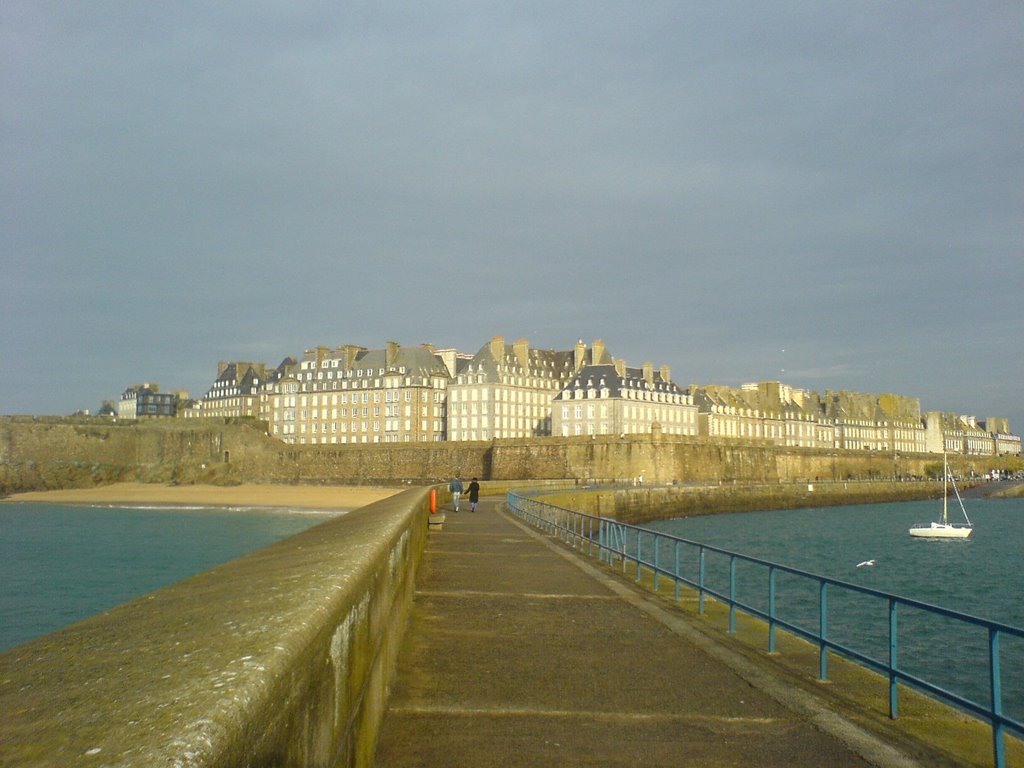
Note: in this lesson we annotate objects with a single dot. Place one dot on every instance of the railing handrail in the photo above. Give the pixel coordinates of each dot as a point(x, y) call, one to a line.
point(606, 527)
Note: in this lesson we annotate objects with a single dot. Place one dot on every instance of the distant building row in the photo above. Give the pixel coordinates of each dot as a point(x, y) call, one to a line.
point(351, 394)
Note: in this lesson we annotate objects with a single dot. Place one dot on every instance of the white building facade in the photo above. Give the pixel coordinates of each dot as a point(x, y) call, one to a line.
point(507, 390)
point(356, 395)
point(613, 399)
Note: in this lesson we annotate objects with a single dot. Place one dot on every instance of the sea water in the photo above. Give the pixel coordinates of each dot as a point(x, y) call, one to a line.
point(982, 576)
point(61, 563)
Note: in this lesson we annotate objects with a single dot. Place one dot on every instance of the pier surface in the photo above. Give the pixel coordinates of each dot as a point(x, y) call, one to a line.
point(520, 653)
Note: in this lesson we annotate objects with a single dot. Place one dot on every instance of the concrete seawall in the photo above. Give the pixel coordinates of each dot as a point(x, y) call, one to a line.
point(281, 657)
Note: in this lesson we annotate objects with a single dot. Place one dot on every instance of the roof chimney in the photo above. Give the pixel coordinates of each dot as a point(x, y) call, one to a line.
point(498, 347)
point(521, 349)
point(351, 353)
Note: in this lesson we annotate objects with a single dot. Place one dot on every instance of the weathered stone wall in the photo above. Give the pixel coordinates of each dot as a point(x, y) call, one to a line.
point(637, 505)
point(38, 453)
point(278, 658)
point(61, 453)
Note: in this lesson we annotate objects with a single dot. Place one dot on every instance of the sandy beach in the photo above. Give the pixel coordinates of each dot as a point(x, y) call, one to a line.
point(298, 496)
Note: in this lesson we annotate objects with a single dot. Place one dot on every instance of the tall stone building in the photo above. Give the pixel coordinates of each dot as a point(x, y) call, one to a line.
point(732, 413)
point(356, 395)
point(507, 390)
point(1006, 443)
point(141, 401)
point(613, 399)
point(785, 415)
point(352, 394)
point(886, 423)
point(235, 392)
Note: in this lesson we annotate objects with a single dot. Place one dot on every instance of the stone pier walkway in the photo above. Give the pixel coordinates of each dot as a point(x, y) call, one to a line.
point(521, 654)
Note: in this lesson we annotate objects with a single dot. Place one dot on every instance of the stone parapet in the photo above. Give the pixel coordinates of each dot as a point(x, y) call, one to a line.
point(281, 657)
point(639, 505)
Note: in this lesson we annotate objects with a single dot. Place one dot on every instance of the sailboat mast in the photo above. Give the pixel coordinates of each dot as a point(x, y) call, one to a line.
point(945, 491)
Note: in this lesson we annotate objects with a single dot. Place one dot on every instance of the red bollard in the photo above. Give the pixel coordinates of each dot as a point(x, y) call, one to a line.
point(433, 501)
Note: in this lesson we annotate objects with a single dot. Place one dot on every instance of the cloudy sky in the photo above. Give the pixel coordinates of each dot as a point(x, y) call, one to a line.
point(830, 194)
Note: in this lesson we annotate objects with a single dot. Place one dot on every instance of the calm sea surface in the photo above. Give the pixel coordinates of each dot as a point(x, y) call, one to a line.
point(982, 576)
point(60, 564)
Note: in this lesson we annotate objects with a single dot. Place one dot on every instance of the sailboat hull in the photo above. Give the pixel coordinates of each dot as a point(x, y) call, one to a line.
point(942, 531)
point(945, 529)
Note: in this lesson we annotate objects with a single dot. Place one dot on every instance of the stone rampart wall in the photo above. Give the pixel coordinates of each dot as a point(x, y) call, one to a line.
point(278, 658)
point(61, 453)
point(40, 453)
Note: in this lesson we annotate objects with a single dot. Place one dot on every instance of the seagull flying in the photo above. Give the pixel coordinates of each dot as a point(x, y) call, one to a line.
point(866, 562)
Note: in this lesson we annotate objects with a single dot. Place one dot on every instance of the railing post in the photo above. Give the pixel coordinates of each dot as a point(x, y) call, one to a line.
point(676, 570)
point(700, 582)
point(639, 559)
point(996, 686)
point(823, 630)
point(894, 703)
point(622, 542)
point(657, 560)
point(732, 594)
point(771, 609)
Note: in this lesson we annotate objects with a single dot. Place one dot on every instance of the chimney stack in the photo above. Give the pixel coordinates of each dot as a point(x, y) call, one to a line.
point(521, 349)
point(498, 347)
point(580, 355)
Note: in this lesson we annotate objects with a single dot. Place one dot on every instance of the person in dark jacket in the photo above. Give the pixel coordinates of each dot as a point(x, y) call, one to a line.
point(474, 494)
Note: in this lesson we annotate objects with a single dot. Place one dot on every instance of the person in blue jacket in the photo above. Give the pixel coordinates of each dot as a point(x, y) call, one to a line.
point(455, 486)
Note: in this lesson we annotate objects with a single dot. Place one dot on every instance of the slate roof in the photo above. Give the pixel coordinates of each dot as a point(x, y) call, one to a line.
point(605, 376)
point(417, 361)
point(497, 357)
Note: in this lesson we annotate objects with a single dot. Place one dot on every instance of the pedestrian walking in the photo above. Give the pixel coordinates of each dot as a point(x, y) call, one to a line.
point(455, 486)
point(474, 494)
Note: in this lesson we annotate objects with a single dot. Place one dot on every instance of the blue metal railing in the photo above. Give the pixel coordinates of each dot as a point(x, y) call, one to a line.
point(611, 541)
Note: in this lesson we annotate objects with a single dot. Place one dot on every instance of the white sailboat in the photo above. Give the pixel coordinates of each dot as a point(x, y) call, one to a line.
point(945, 529)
